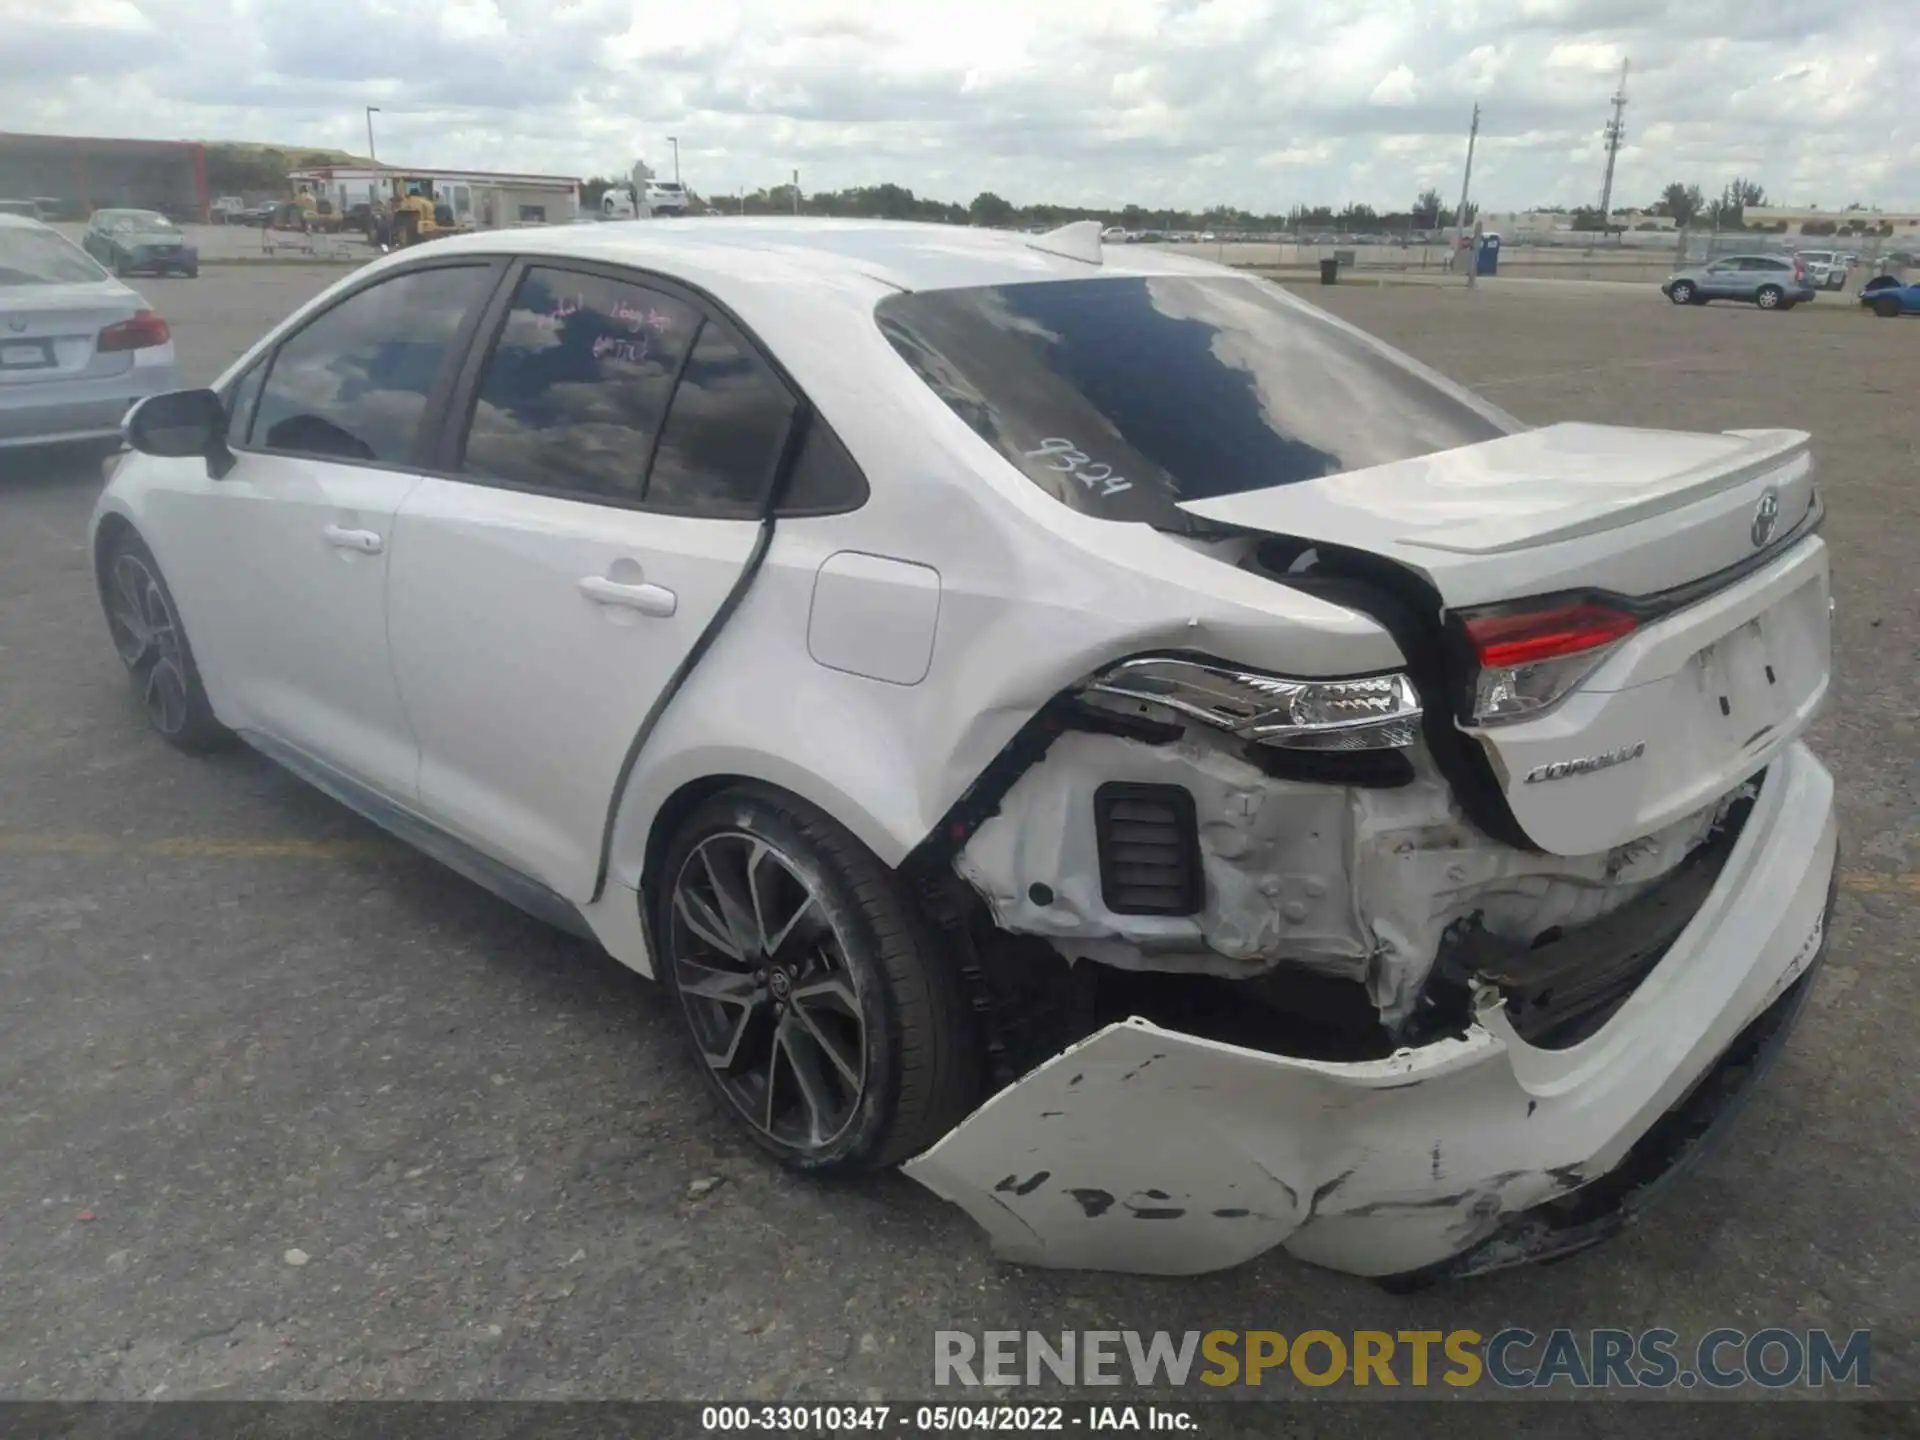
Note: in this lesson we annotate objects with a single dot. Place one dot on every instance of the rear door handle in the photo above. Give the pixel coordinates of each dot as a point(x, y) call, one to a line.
point(655, 600)
point(341, 538)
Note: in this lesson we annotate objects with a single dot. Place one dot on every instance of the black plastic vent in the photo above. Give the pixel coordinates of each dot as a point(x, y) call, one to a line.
point(1149, 842)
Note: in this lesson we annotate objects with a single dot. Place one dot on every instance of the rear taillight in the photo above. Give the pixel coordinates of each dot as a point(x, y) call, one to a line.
point(1799, 270)
point(1530, 659)
point(144, 330)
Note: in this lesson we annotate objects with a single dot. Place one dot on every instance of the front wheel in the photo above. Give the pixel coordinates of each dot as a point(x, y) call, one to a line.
point(152, 644)
point(1769, 297)
point(1887, 308)
point(1682, 293)
point(819, 1009)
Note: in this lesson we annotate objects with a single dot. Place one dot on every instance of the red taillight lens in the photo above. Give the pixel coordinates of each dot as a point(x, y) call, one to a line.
point(1531, 659)
point(1799, 271)
point(143, 330)
point(1503, 640)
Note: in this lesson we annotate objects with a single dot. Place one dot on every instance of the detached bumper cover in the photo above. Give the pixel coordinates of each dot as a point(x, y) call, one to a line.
point(1142, 1149)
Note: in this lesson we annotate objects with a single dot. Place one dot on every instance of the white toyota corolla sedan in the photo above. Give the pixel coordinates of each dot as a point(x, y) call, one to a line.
point(1081, 723)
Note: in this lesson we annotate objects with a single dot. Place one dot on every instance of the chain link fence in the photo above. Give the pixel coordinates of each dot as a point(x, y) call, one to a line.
point(1635, 255)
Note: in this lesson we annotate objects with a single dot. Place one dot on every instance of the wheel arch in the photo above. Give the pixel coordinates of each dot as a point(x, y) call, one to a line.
point(658, 801)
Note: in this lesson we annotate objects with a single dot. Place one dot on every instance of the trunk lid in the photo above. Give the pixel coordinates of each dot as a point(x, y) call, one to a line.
point(49, 332)
point(1703, 537)
point(1563, 507)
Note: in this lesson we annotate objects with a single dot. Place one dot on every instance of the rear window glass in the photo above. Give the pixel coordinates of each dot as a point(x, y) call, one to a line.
point(1124, 396)
point(31, 256)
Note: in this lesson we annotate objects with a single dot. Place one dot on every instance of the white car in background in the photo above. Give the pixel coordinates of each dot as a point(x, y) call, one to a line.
point(1826, 269)
point(77, 346)
point(1177, 774)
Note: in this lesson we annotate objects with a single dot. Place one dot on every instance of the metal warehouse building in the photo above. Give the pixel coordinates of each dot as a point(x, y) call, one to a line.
point(85, 173)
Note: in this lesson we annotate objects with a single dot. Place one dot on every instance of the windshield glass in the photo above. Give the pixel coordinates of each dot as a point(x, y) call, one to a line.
point(1124, 396)
point(31, 256)
point(140, 220)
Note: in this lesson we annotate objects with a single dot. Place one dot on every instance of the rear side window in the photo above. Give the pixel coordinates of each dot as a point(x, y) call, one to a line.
point(1124, 396)
point(576, 388)
point(722, 440)
point(353, 384)
point(30, 255)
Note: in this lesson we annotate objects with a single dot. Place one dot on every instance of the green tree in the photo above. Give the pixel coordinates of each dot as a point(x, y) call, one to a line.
point(1682, 203)
point(989, 209)
point(1428, 207)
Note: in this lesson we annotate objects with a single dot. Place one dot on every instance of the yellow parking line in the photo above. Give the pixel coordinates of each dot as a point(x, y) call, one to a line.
point(1863, 882)
point(194, 848)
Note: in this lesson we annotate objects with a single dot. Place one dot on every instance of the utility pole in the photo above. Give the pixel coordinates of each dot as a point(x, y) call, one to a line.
point(674, 141)
point(1466, 184)
point(1615, 132)
point(372, 110)
point(796, 192)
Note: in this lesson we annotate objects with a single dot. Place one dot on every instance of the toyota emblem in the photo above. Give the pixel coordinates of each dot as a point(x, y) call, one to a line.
point(1766, 515)
point(17, 323)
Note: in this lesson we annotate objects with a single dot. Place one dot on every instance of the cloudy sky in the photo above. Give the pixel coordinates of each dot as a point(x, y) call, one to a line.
point(1259, 103)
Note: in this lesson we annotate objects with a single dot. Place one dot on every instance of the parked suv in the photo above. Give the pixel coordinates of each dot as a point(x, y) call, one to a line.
point(1773, 282)
point(1826, 269)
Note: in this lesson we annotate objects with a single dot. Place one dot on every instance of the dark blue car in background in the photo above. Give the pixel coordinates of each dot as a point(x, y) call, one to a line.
point(1887, 297)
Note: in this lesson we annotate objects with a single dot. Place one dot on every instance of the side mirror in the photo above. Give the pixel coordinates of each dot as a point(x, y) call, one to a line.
point(179, 424)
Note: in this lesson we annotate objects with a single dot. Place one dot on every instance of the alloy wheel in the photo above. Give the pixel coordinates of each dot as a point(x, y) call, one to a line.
point(147, 636)
point(772, 1002)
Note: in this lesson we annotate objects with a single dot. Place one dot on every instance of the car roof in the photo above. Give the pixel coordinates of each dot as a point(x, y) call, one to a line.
point(10, 221)
point(723, 253)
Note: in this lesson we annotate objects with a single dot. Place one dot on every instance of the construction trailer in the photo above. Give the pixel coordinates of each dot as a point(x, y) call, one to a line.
point(477, 199)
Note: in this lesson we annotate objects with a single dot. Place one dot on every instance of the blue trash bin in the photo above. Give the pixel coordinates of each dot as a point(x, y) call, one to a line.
point(1487, 259)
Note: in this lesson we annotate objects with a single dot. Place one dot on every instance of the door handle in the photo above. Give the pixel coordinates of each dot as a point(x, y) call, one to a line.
point(341, 538)
point(655, 600)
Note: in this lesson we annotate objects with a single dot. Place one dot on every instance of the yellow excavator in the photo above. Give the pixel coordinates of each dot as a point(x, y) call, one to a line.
point(412, 214)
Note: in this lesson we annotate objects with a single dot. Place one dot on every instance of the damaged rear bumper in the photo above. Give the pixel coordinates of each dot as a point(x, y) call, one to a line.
point(1144, 1149)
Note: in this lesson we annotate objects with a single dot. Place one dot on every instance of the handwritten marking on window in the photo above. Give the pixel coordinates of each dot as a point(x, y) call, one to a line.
point(550, 319)
point(1068, 459)
point(612, 347)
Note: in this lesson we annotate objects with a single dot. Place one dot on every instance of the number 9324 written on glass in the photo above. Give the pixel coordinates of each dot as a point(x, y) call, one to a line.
point(1067, 458)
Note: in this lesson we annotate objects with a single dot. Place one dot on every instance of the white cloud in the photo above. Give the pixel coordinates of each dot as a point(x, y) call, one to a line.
point(1396, 87)
point(1160, 102)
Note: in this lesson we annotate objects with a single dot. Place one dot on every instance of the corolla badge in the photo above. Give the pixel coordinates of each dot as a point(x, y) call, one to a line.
point(1587, 764)
point(1766, 516)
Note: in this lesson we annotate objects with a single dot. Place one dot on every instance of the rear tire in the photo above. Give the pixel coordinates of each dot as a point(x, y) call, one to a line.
point(1769, 297)
point(819, 1008)
point(152, 643)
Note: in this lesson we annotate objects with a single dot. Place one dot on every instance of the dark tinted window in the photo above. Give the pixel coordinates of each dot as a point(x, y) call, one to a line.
point(825, 478)
point(576, 386)
point(353, 384)
point(724, 434)
point(1124, 396)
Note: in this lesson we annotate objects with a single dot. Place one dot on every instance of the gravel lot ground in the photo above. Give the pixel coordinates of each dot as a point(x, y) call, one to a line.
point(239, 1024)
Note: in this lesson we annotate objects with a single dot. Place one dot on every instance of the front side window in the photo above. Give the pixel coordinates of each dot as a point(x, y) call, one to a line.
point(1125, 396)
point(577, 385)
point(723, 437)
point(353, 384)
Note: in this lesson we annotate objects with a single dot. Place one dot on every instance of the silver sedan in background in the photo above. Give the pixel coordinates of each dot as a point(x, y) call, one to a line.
point(77, 347)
